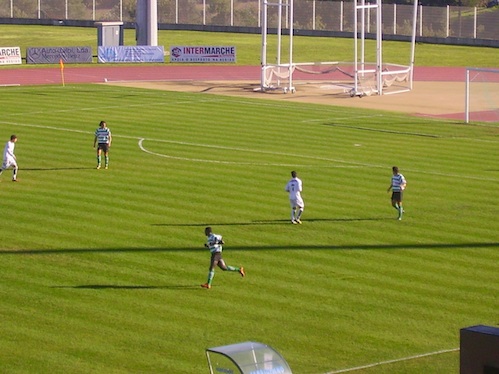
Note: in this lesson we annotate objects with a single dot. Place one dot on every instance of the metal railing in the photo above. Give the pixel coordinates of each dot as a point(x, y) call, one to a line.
point(440, 22)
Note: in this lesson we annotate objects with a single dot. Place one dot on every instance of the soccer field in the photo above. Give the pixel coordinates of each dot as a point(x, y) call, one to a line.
point(101, 269)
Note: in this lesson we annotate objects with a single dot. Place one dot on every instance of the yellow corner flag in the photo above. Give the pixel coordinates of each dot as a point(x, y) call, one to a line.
point(61, 63)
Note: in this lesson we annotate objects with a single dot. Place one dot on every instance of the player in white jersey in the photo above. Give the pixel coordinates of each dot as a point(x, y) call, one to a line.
point(103, 141)
point(397, 185)
point(295, 187)
point(9, 158)
point(214, 244)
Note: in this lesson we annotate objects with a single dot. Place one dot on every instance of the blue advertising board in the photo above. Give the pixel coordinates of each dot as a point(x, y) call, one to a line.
point(140, 53)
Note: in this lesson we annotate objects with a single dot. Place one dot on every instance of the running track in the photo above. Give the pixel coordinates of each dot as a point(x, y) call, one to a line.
point(95, 74)
point(100, 73)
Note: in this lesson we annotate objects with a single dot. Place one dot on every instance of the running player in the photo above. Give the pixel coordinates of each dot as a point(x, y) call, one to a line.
point(214, 244)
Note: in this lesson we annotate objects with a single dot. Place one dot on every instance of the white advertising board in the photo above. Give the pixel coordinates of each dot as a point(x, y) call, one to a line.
point(202, 53)
point(10, 55)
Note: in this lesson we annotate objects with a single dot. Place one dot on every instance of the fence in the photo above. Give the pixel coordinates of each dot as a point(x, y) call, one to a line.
point(334, 16)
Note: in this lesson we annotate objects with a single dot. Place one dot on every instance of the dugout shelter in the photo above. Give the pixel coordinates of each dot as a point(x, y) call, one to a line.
point(246, 358)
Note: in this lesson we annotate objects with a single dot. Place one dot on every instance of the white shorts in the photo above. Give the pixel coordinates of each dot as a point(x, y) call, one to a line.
point(10, 162)
point(298, 202)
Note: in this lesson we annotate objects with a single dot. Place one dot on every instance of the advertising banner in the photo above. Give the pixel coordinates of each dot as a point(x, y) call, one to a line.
point(203, 54)
point(139, 53)
point(52, 55)
point(10, 55)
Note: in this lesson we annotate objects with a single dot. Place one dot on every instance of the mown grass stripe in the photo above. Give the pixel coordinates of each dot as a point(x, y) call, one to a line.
point(107, 264)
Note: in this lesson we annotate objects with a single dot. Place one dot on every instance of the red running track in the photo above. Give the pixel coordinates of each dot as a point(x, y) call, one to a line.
point(95, 74)
point(101, 73)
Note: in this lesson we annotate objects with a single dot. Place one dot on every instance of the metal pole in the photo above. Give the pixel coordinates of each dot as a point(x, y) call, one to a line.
point(279, 37)
point(341, 16)
point(263, 62)
point(447, 22)
point(355, 52)
point(474, 23)
point(394, 19)
point(204, 12)
point(313, 15)
point(363, 34)
point(413, 41)
point(279, 32)
point(420, 20)
point(467, 98)
point(291, 21)
point(232, 12)
point(286, 8)
point(379, 44)
point(369, 20)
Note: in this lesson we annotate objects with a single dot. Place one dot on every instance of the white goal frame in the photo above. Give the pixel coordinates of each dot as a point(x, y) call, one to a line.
point(382, 76)
point(467, 89)
point(282, 71)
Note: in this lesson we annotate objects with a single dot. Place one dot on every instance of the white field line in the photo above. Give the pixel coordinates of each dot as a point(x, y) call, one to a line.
point(336, 119)
point(393, 361)
point(141, 146)
point(91, 109)
point(351, 163)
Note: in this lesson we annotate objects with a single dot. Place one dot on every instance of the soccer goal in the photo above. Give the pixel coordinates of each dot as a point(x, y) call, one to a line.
point(481, 95)
point(357, 78)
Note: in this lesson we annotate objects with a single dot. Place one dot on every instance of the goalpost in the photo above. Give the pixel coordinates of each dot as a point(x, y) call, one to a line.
point(366, 78)
point(481, 95)
point(279, 71)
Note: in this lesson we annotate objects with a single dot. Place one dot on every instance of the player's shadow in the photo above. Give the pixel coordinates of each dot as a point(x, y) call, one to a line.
point(272, 222)
point(57, 169)
point(128, 287)
point(287, 247)
point(249, 223)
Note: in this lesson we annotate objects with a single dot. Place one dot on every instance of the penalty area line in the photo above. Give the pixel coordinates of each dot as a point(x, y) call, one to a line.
point(393, 361)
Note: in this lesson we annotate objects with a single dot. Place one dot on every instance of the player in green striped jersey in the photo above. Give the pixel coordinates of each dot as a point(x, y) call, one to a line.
point(214, 244)
point(103, 141)
point(397, 186)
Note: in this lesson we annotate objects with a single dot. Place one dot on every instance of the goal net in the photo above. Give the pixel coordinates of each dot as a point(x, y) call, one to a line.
point(357, 78)
point(341, 75)
point(482, 95)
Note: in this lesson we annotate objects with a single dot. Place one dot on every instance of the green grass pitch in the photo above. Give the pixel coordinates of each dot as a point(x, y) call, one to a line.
point(100, 269)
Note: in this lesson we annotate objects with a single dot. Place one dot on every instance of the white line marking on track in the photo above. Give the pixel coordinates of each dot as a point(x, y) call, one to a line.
point(393, 361)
